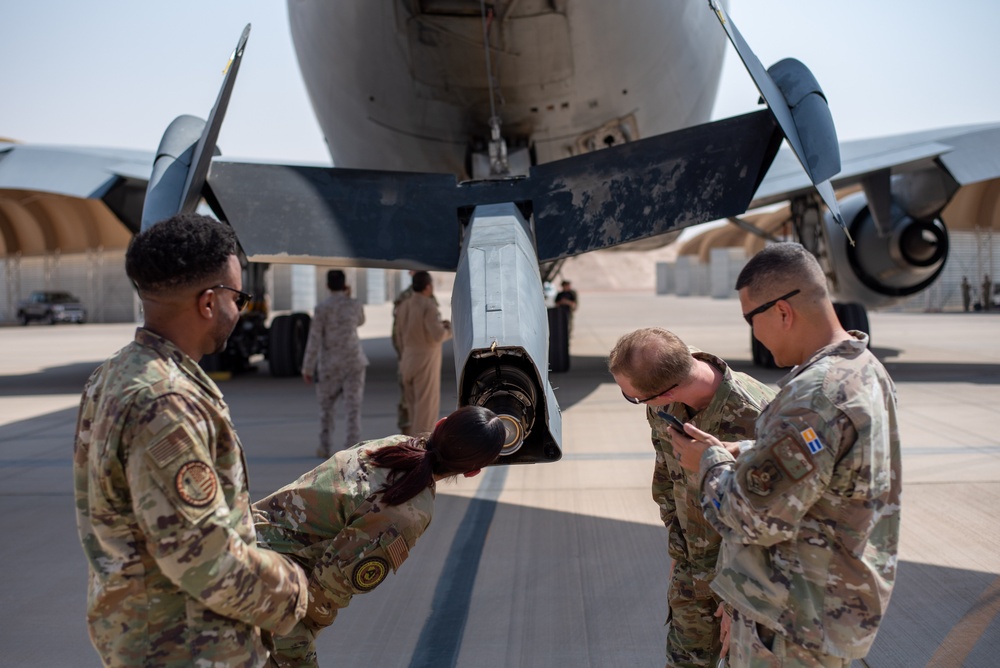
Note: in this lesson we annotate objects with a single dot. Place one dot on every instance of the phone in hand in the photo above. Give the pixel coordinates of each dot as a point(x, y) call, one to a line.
point(673, 422)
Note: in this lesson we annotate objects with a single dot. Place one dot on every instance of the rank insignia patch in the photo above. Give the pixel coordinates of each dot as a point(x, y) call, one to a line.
point(196, 483)
point(761, 479)
point(370, 573)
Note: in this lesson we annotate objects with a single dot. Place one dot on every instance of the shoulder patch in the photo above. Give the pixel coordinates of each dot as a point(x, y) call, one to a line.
point(793, 458)
point(398, 551)
point(196, 483)
point(369, 573)
point(811, 439)
point(762, 479)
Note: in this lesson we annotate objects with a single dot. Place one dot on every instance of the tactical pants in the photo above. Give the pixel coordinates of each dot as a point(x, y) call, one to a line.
point(346, 384)
point(752, 645)
point(692, 627)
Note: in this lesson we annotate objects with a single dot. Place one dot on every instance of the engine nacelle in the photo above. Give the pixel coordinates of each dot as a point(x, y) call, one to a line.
point(883, 268)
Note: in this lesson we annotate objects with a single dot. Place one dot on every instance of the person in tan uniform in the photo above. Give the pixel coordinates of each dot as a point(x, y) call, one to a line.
point(353, 519)
point(421, 333)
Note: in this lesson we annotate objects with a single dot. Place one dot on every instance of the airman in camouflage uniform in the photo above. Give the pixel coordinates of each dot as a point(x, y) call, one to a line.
point(331, 522)
point(335, 359)
point(809, 515)
point(163, 512)
point(349, 523)
point(719, 401)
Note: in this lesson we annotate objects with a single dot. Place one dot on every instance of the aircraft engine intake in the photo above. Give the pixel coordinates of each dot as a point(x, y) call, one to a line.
point(885, 265)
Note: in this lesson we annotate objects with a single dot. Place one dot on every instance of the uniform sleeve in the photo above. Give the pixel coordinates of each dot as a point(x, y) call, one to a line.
point(433, 325)
point(762, 497)
point(360, 557)
point(190, 531)
point(314, 343)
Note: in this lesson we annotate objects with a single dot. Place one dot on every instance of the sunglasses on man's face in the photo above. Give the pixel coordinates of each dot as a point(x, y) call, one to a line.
point(766, 305)
point(242, 298)
point(636, 400)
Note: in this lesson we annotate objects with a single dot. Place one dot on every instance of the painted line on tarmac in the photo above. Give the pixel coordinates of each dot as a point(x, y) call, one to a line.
point(441, 638)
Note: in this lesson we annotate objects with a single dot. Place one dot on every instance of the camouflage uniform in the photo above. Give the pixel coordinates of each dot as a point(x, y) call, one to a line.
point(164, 518)
point(810, 516)
point(692, 628)
point(334, 354)
point(421, 333)
point(332, 521)
point(402, 412)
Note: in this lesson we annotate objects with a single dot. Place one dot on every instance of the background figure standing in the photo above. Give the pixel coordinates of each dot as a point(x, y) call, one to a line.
point(335, 359)
point(987, 292)
point(567, 297)
point(357, 515)
point(162, 506)
point(421, 333)
point(966, 294)
point(402, 411)
point(653, 366)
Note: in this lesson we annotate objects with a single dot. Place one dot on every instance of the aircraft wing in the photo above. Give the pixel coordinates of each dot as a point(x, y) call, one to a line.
point(970, 154)
point(116, 176)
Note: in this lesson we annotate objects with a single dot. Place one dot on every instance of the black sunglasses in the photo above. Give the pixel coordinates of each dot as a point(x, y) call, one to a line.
point(242, 298)
point(636, 400)
point(763, 307)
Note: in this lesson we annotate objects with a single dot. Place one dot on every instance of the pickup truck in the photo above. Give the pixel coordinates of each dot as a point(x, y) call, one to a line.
point(51, 307)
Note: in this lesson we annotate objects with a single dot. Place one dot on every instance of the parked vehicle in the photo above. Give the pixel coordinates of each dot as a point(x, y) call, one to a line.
point(51, 307)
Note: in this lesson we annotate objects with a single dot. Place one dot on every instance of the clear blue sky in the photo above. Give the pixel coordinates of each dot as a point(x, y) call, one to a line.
point(116, 72)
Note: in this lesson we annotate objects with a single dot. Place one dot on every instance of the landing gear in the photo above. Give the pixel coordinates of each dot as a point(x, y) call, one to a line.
point(287, 344)
point(854, 316)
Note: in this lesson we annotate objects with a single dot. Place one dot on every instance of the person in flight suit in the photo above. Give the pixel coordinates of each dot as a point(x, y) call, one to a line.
point(421, 333)
point(354, 518)
point(809, 515)
point(335, 360)
point(652, 366)
point(162, 507)
point(402, 411)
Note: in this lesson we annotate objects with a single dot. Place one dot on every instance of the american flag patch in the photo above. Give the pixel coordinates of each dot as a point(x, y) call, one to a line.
point(169, 448)
point(811, 439)
point(398, 552)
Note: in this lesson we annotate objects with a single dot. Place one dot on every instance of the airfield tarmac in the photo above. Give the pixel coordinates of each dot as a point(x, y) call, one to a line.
point(552, 565)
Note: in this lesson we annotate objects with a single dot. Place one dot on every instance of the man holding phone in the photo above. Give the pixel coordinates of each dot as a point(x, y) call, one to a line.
point(652, 366)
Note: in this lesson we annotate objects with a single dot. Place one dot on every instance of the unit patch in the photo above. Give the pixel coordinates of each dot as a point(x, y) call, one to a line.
point(793, 458)
point(370, 573)
point(762, 479)
point(196, 483)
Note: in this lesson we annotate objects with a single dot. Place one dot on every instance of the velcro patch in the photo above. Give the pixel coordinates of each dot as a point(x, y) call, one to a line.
point(762, 479)
point(170, 447)
point(196, 483)
point(811, 439)
point(369, 573)
point(398, 551)
point(793, 458)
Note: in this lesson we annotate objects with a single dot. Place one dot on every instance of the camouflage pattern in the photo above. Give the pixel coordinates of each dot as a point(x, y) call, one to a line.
point(421, 333)
point(692, 627)
point(332, 522)
point(813, 507)
point(402, 412)
point(747, 649)
point(163, 512)
point(337, 361)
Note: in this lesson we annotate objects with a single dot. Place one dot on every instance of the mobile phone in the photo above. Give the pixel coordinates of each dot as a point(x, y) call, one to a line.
point(673, 422)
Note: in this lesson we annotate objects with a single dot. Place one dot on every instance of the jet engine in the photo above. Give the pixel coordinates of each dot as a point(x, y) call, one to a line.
point(889, 261)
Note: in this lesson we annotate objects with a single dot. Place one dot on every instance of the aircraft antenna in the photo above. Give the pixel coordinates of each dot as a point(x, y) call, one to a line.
point(498, 147)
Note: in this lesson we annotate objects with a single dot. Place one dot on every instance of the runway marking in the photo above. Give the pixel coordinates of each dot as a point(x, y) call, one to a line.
point(441, 637)
point(962, 638)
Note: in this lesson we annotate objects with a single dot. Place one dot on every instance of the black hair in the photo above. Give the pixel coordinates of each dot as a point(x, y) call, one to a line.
point(467, 440)
point(183, 250)
point(335, 280)
point(421, 280)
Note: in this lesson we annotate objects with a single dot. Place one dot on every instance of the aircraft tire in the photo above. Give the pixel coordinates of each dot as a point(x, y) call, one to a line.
point(287, 344)
point(559, 339)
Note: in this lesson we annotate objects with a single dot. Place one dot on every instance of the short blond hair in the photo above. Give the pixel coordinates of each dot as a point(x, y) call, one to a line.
point(651, 358)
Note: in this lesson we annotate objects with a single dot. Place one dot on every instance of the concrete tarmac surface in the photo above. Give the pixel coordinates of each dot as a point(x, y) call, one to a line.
point(540, 566)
